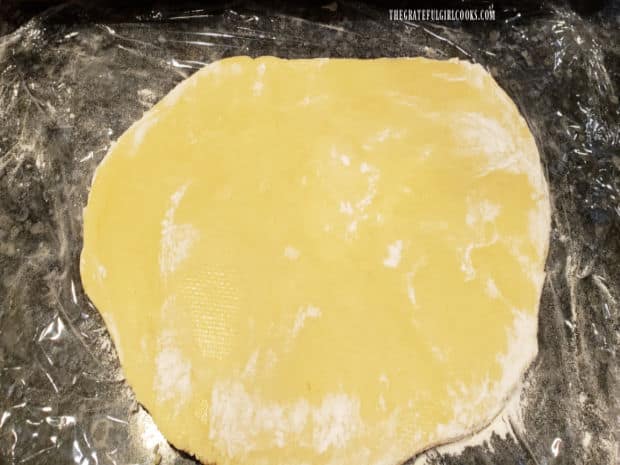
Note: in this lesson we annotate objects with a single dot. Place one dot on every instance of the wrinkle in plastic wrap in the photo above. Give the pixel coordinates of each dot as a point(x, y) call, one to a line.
point(69, 88)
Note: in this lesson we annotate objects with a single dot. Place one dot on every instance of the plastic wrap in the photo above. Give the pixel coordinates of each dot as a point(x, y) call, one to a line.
point(70, 85)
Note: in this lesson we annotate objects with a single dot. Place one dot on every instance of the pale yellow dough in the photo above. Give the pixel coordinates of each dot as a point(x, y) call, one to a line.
point(321, 261)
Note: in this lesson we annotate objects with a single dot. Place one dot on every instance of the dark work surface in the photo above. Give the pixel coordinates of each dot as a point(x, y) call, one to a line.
point(71, 81)
point(14, 13)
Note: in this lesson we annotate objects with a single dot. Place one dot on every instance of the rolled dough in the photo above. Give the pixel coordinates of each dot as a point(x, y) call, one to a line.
point(321, 261)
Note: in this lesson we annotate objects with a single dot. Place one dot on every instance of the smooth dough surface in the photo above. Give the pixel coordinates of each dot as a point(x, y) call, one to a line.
point(321, 261)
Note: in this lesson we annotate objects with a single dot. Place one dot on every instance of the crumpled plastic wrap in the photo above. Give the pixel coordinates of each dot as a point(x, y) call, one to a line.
point(70, 85)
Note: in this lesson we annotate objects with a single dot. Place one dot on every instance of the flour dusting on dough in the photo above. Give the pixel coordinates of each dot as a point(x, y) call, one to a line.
point(346, 208)
point(250, 367)
point(172, 380)
point(409, 276)
point(481, 134)
point(522, 348)
point(483, 211)
point(449, 78)
point(394, 252)
point(491, 289)
point(410, 289)
point(538, 219)
point(257, 88)
point(468, 402)
point(467, 266)
point(312, 99)
point(173, 376)
point(309, 311)
point(291, 252)
point(102, 272)
point(237, 419)
point(142, 129)
point(176, 239)
point(336, 421)
point(371, 192)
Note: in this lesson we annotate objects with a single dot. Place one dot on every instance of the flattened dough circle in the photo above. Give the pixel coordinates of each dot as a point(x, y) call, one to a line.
point(321, 261)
